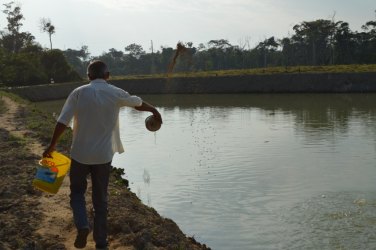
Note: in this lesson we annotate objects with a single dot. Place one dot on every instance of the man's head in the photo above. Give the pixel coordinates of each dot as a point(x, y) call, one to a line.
point(97, 69)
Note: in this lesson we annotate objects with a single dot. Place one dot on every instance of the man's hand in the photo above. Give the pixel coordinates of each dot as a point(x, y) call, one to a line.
point(48, 151)
point(59, 129)
point(148, 107)
point(157, 115)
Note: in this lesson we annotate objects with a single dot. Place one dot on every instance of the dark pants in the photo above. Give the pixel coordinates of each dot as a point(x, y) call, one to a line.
point(78, 184)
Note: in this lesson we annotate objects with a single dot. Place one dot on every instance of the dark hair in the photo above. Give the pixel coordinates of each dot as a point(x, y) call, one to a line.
point(97, 69)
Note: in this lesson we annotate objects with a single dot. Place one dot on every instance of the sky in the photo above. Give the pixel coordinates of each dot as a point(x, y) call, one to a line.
point(105, 24)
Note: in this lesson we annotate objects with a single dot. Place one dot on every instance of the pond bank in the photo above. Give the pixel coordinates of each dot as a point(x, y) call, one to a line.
point(362, 82)
point(30, 219)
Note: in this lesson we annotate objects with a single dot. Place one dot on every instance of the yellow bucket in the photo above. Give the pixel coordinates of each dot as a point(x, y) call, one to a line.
point(51, 172)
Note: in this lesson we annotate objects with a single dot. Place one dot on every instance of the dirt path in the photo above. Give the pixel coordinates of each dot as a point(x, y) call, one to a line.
point(7, 122)
point(57, 215)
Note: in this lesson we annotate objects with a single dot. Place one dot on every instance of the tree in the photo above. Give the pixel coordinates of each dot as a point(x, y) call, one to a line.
point(25, 62)
point(267, 46)
point(30, 66)
point(116, 54)
point(315, 36)
point(56, 66)
point(79, 59)
point(12, 39)
point(219, 44)
point(369, 42)
point(14, 17)
point(115, 61)
point(287, 51)
point(135, 50)
point(201, 47)
point(344, 45)
point(46, 26)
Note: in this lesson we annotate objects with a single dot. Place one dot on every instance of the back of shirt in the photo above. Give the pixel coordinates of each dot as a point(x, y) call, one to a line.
point(95, 109)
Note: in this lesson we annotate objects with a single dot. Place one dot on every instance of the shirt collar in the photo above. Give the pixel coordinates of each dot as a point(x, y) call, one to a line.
point(98, 81)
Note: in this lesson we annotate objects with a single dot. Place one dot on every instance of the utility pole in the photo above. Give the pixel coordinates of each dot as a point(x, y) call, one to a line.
point(152, 69)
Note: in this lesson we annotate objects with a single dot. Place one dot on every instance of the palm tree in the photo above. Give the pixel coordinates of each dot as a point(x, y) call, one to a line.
point(46, 26)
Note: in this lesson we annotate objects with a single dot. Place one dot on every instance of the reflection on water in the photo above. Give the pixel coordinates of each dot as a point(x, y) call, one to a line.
point(294, 171)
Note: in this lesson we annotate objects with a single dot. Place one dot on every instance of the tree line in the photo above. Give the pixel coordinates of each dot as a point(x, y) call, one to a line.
point(23, 61)
point(319, 42)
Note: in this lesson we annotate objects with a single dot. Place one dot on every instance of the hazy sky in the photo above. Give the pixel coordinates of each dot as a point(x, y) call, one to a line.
point(105, 24)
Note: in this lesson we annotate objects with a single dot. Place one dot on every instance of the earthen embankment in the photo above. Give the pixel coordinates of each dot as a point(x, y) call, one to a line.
point(263, 83)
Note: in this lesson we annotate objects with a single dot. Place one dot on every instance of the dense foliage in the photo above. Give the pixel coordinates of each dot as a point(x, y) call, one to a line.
point(23, 61)
point(315, 43)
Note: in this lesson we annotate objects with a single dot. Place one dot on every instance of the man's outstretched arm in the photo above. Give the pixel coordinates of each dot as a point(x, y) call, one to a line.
point(148, 107)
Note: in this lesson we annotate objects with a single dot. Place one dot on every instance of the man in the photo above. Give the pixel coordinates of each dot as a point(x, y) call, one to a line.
point(96, 138)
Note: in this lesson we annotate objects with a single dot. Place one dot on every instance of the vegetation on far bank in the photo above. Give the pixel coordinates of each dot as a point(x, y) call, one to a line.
point(311, 43)
point(356, 68)
point(313, 46)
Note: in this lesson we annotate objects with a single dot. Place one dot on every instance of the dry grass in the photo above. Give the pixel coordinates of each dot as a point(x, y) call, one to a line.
point(354, 68)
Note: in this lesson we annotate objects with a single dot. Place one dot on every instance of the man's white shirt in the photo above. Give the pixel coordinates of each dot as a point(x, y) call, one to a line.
point(94, 109)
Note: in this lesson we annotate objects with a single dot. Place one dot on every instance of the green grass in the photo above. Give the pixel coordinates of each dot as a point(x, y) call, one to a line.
point(14, 97)
point(41, 123)
point(354, 68)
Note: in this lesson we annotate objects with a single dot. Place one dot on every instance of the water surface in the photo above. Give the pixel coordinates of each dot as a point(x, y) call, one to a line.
point(285, 171)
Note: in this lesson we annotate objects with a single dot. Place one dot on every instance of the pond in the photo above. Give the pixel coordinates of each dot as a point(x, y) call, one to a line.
point(269, 171)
